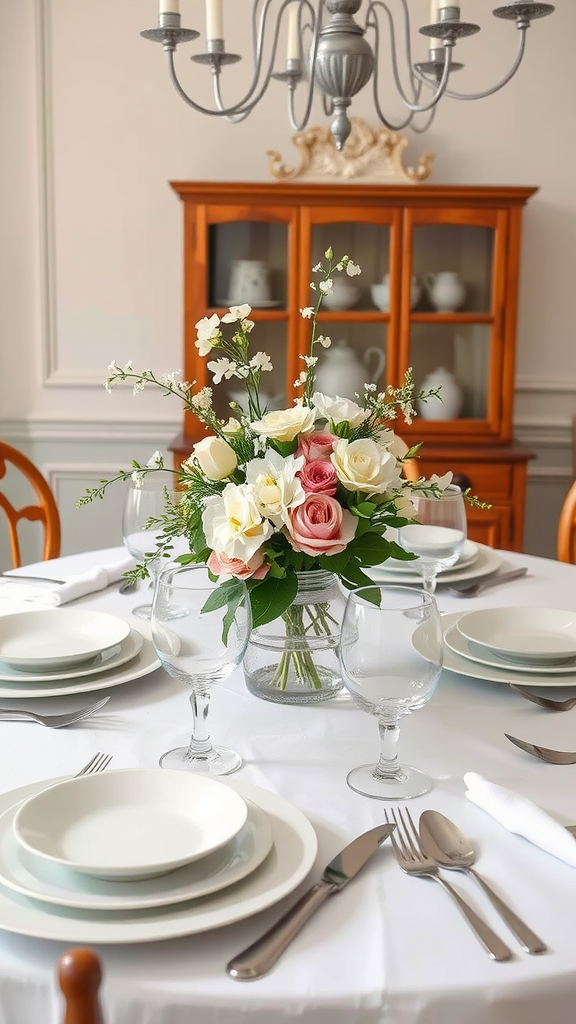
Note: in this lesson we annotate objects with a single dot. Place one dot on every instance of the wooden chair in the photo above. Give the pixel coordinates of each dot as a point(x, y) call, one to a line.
point(79, 977)
point(566, 544)
point(45, 510)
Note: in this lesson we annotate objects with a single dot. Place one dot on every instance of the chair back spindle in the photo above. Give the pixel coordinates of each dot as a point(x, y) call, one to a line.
point(79, 977)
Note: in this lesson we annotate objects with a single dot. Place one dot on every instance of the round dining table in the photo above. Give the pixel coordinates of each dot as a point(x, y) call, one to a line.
point(389, 947)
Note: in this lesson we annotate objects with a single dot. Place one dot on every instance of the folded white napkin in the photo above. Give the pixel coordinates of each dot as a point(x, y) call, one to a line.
point(521, 816)
point(75, 586)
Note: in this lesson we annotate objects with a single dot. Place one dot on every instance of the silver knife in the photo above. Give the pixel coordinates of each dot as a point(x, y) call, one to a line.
point(258, 958)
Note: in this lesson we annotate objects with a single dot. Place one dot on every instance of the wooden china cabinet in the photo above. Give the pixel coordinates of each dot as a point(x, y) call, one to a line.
point(406, 232)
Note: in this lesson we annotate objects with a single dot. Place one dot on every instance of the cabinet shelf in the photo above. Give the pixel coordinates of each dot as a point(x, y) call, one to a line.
point(451, 318)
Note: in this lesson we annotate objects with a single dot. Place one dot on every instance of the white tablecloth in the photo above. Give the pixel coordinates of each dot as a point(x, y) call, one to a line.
point(389, 948)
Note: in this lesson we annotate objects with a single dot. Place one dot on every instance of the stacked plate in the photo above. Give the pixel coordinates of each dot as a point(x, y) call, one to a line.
point(143, 854)
point(51, 652)
point(475, 562)
point(513, 644)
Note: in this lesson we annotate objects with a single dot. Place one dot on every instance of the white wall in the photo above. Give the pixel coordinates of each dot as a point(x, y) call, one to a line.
point(90, 250)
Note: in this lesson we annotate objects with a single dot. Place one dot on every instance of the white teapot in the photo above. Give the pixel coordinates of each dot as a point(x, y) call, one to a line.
point(445, 291)
point(342, 373)
point(381, 293)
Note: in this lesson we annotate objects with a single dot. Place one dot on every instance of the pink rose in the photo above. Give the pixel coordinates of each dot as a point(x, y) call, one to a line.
point(316, 446)
point(320, 526)
point(222, 565)
point(318, 477)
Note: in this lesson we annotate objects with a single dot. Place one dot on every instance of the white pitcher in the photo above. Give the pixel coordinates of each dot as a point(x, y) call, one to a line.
point(249, 282)
point(450, 406)
point(342, 373)
point(445, 291)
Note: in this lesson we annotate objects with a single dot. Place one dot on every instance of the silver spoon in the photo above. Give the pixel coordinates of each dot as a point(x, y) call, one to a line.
point(450, 848)
point(544, 702)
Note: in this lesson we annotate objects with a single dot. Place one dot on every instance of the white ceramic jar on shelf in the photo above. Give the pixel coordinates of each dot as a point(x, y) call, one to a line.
point(452, 398)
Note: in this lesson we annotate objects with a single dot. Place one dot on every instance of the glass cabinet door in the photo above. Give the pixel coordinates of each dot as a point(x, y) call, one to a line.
point(452, 333)
point(357, 315)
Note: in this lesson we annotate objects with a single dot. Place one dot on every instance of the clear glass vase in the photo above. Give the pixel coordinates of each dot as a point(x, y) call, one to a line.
point(295, 658)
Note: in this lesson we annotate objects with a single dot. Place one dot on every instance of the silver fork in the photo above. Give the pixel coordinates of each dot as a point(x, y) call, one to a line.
point(493, 581)
point(411, 858)
point(51, 721)
point(96, 764)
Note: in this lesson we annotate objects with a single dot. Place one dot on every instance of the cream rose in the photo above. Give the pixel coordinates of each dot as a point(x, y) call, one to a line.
point(338, 410)
point(232, 523)
point(364, 465)
point(216, 458)
point(285, 424)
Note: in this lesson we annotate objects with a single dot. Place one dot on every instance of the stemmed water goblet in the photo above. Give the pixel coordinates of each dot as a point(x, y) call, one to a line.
point(200, 631)
point(438, 534)
point(389, 675)
point(145, 501)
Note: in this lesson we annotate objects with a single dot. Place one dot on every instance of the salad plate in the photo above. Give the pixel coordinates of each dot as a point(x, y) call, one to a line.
point(523, 634)
point(487, 562)
point(45, 639)
point(490, 673)
point(476, 652)
point(104, 662)
point(469, 555)
point(51, 883)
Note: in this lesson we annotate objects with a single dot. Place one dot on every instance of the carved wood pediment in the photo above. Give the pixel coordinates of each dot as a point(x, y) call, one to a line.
point(369, 154)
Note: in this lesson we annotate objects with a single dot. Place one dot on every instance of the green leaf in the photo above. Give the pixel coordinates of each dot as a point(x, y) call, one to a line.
point(271, 597)
point(355, 575)
point(285, 448)
point(364, 509)
point(370, 548)
point(400, 553)
point(335, 563)
point(224, 594)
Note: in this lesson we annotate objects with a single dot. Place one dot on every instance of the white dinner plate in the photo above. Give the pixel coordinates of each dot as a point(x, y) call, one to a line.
point(144, 662)
point(487, 562)
point(134, 823)
point(289, 862)
point(523, 634)
point(474, 670)
point(103, 662)
point(50, 638)
point(476, 652)
point(51, 883)
point(470, 553)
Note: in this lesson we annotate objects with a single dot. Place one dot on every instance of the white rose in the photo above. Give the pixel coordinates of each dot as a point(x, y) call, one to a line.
point(232, 523)
point(339, 410)
point(393, 443)
point(364, 465)
point(217, 459)
point(285, 424)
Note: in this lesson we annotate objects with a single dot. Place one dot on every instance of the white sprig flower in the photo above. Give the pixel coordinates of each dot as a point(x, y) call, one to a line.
point(208, 330)
point(307, 312)
point(352, 269)
point(222, 368)
point(317, 268)
point(324, 341)
point(202, 400)
point(247, 326)
point(138, 386)
point(156, 461)
point(261, 361)
point(326, 286)
point(169, 379)
point(310, 360)
point(236, 313)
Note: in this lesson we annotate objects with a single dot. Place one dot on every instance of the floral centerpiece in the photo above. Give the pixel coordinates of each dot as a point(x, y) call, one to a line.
point(290, 501)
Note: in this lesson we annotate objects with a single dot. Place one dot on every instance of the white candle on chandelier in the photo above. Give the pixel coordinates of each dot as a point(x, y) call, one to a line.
point(293, 51)
point(169, 7)
point(435, 8)
point(214, 21)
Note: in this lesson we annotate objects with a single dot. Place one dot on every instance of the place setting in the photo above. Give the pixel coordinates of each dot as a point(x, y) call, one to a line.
point(56, 651)
point(138, 855)
point(515, 644)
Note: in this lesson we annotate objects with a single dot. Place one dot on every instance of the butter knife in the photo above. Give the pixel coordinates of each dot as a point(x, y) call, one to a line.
point(260, 957)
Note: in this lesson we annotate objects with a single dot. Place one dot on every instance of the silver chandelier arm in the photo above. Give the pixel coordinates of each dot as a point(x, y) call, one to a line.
point(315, 26)
point(414, 107)
point(495, 88)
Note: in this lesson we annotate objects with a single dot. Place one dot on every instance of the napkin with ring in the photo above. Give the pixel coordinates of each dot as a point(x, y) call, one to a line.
point(520, 815)
point(54, 594)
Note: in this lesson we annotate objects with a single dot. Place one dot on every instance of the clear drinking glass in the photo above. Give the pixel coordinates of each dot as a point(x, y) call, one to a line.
point(439, 534)
point(144, 501)
point(200, 641)
point(389, 675)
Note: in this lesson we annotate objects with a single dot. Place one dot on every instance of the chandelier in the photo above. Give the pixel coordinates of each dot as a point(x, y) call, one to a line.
point(328, 49)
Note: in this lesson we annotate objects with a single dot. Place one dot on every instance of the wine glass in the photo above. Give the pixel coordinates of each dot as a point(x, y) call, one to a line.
point(144, 500)
point(391, 658)
point(439, 534)
point(200, 639)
